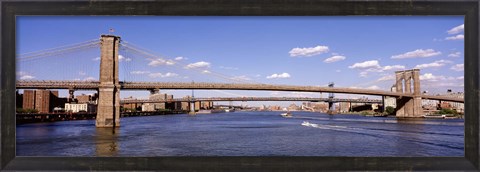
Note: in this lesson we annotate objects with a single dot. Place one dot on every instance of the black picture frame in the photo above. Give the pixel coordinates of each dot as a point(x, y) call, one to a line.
point(467, 8)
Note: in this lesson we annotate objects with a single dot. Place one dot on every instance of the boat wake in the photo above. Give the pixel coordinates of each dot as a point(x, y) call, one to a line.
point(382, 133)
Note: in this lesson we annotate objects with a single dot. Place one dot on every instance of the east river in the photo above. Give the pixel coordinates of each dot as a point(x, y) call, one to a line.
point(245, 134)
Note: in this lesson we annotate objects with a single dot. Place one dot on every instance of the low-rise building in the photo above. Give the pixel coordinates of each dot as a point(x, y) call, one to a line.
point(80, 107)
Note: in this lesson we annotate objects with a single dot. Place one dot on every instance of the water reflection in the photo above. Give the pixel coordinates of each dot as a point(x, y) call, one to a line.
point(106, 141)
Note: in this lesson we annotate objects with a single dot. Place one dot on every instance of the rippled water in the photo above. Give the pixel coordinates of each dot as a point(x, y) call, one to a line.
point(246, 134)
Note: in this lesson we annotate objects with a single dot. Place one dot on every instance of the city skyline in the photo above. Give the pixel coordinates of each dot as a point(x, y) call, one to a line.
point(356, 52)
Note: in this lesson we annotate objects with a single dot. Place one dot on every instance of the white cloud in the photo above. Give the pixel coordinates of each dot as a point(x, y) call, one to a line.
point(338, 70)
point(228, 68)
point(122, 58)
point(161, 75)
point(200, 64)
point(283, 75)
point(179, 58)
point(242, 77)
point(455, 54)
point(169, 62)
point(139, 72)
point(433, 78)
point(258, 75)
point(96, 59)
point(417, 53)
point(387, 78)
point(82, 73)
point(373, 87)
point(393, 67)
point(365, 65)
point(27, 77)
point(90, 79)
point(24, 75)
point(158, 62)
point(373, 66)
point(206, 71)
point(334, 59)
point(311, 51)
point(363, 74)
point(435, 81)
point(456, 30)
point(438, 63)
point(457, 67)
point(457, 37)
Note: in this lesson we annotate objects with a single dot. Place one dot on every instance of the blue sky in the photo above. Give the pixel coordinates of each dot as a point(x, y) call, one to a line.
point(353, 51)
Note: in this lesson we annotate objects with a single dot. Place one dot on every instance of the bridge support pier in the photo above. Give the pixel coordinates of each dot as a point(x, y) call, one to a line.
point(108, 111)
point(408, 106)
point(192, 108)
point(71, 96)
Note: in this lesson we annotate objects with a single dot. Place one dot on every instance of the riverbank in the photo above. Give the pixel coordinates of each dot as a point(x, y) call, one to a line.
point(23, 118)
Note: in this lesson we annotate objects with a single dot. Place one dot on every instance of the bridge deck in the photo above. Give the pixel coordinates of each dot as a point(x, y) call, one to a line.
point(93, 85)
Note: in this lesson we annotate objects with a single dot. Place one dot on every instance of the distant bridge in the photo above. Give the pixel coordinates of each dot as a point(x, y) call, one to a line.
point(94, 85)
point(126, 101)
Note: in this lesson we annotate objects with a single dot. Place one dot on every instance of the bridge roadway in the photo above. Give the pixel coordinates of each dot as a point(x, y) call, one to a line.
point(93, 85)
point(253, 99)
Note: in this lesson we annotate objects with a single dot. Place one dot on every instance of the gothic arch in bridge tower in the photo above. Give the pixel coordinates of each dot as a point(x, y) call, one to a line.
point(108, 112)
point(408, 106)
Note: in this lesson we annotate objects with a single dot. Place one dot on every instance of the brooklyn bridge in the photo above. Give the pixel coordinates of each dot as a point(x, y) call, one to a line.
point(408, 94)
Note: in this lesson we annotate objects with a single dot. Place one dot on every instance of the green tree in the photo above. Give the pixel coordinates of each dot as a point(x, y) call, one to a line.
point(389, 110)
point(20, 110)
point(31, 110)
point(447, 111)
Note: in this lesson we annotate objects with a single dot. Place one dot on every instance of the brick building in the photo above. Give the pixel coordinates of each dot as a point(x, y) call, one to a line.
point(42, 100)
point(86, 98)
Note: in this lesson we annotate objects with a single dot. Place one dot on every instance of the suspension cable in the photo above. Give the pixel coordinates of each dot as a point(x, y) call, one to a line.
point(58, 50)
point(148, 53)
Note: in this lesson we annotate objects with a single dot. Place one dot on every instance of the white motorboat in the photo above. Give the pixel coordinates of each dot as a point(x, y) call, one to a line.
point(286, 115)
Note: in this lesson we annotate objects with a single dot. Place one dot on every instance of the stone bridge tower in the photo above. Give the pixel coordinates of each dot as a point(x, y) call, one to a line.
point(108, 111)
point(409, 106)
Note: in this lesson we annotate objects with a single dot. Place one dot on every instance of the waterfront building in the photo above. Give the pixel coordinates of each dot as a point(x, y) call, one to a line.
point(263, 107)
point(197, 106)
point(293, 107)
point(131, 105)
point(275, 108)
point(87, 98)
point(157, 106)
point(80, 107)
point(207, 105)
point(459, 107)
point(320, 106)
point(41, 100)
point(185, 105)
point(28, 99)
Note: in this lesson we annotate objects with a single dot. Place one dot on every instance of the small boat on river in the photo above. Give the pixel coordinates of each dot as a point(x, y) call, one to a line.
point(286, 115)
